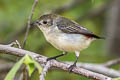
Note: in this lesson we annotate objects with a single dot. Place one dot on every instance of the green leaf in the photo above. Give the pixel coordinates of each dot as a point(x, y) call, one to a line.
point(29, 62)
point(38, 66)
point(35, 75)
point(12, 72)
point(31, 68)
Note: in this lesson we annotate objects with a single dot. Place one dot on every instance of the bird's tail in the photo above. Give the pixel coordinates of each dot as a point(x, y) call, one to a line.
point(99, 37)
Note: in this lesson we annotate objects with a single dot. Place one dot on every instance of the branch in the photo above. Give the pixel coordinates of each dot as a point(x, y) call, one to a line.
point(98, 68)
point(15, 43)
point(112, 62)
point(29, 21)
point(45, 70)
point(42, 60)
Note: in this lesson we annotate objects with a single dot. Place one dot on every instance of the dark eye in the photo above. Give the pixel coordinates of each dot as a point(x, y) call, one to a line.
point(44, 22)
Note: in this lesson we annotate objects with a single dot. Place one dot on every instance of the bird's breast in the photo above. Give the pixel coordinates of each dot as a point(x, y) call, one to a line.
point(68, 42)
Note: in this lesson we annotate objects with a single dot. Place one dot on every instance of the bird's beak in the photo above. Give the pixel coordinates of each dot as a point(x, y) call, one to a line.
point(35, 23)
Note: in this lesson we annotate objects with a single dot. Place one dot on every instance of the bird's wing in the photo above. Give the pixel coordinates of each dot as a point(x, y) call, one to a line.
point(68, 26)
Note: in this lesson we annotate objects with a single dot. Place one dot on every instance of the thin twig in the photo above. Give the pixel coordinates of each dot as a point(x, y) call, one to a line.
point(112, 62)
point(11, 44)
point(42, 60)
point(45, 70)
point(29, 21)
point(25, 73)
point(27, 32)
point(16, 42)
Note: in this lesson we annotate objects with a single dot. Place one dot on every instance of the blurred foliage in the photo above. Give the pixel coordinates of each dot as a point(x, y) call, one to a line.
point(30, 63)
point(14, 15)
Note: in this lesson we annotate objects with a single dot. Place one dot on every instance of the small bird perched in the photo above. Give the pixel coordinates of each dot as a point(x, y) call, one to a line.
point(65, 35)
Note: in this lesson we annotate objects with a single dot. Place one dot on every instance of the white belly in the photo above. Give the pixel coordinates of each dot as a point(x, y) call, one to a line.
point(69, 42)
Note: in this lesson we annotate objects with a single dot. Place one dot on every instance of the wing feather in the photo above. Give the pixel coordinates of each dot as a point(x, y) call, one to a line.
point(68, 26)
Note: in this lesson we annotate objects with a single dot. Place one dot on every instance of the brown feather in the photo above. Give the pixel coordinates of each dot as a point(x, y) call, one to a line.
point(68, 26)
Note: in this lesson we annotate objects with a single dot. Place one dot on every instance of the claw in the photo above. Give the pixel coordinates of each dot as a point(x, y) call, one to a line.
point(71, 68)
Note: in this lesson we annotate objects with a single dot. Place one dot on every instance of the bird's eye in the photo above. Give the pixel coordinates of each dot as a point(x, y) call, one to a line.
point(44, 22)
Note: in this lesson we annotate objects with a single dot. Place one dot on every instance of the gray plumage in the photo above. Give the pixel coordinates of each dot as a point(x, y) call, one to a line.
point(71, 27)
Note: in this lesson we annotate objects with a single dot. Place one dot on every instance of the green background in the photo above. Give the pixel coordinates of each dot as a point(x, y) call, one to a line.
point(14, 15)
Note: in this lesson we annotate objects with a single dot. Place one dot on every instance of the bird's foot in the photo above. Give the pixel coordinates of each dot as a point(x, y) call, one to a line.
point(55, 57)
point(71, 67)
point(51, 58)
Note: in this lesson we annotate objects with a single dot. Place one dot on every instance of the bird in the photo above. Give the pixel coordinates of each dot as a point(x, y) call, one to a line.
point(65, 35)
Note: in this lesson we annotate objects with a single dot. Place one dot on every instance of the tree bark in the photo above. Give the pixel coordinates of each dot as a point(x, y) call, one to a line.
point(113, 28)
point(53, 63)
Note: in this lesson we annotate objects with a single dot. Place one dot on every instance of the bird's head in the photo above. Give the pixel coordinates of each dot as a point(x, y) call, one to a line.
point(45, 21)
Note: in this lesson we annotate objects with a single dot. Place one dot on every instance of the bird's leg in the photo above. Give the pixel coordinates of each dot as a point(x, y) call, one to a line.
point(74, 64)
point(54, 57)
